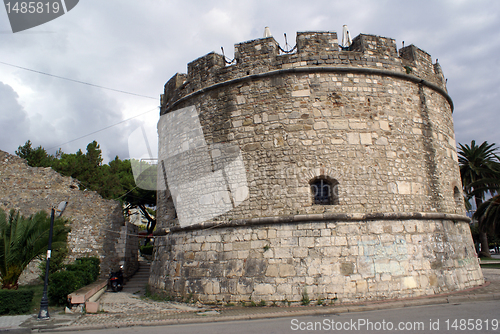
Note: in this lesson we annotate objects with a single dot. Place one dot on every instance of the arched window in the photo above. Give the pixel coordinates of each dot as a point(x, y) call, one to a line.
point(324, 191)
point(458, 196)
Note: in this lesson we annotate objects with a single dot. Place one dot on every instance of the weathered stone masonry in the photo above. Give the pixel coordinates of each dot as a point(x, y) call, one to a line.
point(374, 122)
point(98, 227)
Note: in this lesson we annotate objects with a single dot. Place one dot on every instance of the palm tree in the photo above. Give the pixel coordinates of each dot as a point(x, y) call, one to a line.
point(24, 239)
point(477, 164)
point(489, 212)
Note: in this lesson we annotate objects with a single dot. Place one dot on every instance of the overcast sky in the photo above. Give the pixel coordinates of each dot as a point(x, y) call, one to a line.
point(136, 46)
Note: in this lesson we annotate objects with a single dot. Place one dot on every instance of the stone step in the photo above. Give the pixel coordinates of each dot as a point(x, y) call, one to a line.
point(141, 272)
point(139, 276)
point(137, 283)
point(144, 269)
point(140, 279)
point(136, 286)
point(140, 284)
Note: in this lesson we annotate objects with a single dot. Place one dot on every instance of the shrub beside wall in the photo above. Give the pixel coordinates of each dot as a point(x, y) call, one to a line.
point(15, 301)
point(77, 275)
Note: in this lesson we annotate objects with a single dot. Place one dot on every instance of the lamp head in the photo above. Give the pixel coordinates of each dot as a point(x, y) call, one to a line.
point(60, 208)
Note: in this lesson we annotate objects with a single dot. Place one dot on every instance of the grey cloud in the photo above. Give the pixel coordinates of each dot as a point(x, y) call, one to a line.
point(138, 46)
point(14, 120)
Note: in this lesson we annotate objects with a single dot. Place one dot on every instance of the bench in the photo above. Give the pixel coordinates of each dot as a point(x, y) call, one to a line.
point(88, 295)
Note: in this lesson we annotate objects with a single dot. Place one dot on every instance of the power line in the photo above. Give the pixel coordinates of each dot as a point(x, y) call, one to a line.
point(77, 81)
point(105, 128)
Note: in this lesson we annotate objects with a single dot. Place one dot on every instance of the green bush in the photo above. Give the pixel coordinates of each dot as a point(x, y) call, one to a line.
point(83, 275)
point(93, 264)
point(56, 261)
point(77, 275)
point(15, 301)
point(63, 283)
point(87, 268)
point(147, 250)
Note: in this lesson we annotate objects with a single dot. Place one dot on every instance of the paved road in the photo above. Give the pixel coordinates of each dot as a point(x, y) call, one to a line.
point(444, 318)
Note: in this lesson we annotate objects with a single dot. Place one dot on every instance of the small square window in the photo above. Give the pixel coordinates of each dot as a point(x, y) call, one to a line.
point(324, 191)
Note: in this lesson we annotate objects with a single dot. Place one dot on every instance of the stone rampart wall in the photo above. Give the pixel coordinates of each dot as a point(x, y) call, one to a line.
point(95, 222)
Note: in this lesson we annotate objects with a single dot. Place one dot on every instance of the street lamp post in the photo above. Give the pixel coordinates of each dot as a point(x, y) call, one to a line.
point(44, 304)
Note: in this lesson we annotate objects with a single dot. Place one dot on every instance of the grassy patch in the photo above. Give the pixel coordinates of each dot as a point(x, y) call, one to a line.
point(490, 265)
point(305, 298)
point(157, 297)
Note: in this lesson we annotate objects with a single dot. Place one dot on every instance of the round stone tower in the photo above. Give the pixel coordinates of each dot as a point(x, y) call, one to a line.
point(326, 172)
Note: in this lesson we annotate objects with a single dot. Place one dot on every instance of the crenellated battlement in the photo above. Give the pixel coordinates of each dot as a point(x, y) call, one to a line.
point(420, 63)
point(375, 46)
point(202, 67)
point(317, 42)
point(313, 50)
point(256, 52)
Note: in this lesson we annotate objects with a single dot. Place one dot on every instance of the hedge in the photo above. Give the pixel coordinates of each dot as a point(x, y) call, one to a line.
point(15, 301)
point(62, 284)
point(91, 264)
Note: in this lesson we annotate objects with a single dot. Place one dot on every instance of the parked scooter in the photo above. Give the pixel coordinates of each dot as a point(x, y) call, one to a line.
point(115, 281)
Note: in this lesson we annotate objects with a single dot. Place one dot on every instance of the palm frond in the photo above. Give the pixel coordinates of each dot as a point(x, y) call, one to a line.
point(479, 168)
point(3, 242)
point(23, 239)
point(489, 212)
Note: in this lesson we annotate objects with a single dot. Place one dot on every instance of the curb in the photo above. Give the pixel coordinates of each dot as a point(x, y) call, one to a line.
point(16, 330)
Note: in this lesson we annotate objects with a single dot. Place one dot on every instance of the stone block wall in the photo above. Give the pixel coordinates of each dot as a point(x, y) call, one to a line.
point(344, 260)
point(95, 222)
point(128, 245)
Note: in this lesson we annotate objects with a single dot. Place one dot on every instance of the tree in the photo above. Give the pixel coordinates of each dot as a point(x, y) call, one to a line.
point(478, 164)
point(36, 157)
point(24, 239)
point(134, 196)
point(489, 214)
point(86, 168)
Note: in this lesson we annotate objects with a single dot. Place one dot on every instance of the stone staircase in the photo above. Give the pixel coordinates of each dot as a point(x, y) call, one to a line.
point(136, 284)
